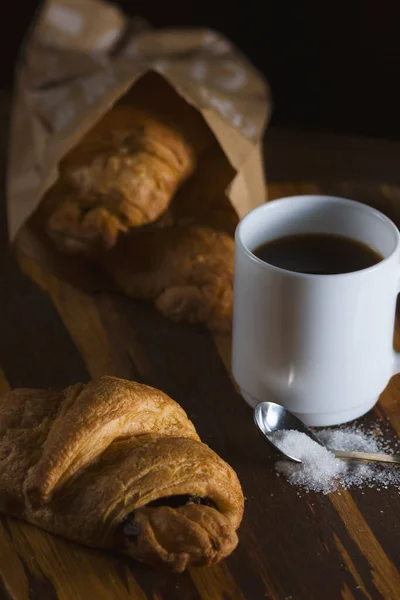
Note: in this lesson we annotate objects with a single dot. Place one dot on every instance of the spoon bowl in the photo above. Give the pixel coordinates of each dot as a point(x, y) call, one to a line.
point(271, 418)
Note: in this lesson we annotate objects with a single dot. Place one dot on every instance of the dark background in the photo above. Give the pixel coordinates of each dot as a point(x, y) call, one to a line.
point(334, 66)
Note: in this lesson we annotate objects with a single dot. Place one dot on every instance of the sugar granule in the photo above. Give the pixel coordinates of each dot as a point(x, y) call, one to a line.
point(321, 471)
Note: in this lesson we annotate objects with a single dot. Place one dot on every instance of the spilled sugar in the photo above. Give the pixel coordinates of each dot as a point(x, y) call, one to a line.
point(321, 471)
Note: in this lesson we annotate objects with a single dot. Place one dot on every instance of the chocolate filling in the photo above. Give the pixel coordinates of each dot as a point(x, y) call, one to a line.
point(131, 528)
point(181, 500)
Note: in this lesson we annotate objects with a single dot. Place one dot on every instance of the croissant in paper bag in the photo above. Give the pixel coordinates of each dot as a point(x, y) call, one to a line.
point(115, 464)
point(187, 271)
point(122, 174)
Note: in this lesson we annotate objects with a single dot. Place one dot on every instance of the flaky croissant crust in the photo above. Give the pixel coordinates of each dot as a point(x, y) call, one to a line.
point(103, 464)
point(187, 271)
point(122, 174)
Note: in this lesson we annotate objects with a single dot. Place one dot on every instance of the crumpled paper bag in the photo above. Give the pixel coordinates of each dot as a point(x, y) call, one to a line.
point(83, 56)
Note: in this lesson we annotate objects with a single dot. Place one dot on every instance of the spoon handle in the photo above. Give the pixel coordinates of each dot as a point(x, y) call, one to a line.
point(366, 456)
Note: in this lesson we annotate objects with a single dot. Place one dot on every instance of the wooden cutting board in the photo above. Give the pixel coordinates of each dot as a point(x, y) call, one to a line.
point(293, 546)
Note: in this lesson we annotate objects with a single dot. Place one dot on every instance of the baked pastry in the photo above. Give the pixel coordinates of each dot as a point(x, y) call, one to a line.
point(187, 271)
point(116, 464)
point(122, 174)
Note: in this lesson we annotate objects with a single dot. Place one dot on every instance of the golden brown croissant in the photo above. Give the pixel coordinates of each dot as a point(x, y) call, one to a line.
point(115, 464)
point(122, 174)
point(186, 271)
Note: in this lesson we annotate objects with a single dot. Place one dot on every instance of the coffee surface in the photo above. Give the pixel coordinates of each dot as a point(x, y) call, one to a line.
point(318, 254)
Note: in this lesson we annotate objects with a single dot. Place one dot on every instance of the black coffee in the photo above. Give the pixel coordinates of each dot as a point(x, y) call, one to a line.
point(318, 254)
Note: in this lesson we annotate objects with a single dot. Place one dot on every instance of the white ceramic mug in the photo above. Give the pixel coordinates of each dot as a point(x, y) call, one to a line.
point(321, 345)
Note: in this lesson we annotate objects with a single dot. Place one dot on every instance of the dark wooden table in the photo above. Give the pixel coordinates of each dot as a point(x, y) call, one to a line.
point(292, 547)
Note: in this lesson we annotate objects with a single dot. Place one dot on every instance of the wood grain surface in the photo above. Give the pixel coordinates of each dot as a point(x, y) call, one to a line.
point(293, 546)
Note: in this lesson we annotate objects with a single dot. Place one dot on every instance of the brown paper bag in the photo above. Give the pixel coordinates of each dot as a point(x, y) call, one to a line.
point(83, 56)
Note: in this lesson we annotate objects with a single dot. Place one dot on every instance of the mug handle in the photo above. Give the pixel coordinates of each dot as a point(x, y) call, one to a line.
point(396, 355)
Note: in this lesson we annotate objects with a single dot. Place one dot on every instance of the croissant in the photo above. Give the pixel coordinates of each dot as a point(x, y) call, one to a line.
point(187, 271)
point(122, 174)
point(117, 465)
